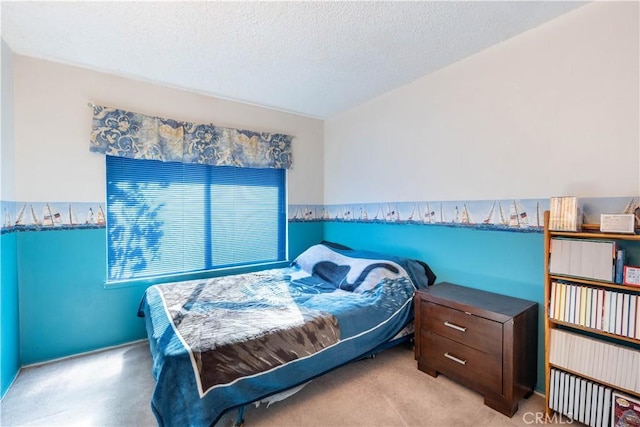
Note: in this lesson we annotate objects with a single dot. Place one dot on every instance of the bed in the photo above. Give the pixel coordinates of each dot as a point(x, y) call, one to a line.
point(224, 342)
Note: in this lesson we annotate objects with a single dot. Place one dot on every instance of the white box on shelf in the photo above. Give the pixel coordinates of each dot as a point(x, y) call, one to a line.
point(618, 223)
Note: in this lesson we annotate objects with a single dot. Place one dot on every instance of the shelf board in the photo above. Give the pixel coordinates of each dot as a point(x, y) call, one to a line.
point(594, 331)
point(592, 231)
point(594, 282)
point(613, 386)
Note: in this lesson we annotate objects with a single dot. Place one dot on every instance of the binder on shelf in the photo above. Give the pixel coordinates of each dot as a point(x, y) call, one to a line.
point(561, 394)
point(591, 310)
point(619, 311)
point(584, 303)
point(581, 402)
point(570, 407)
point(625, 315)
point(638, 318)
point(600, 405)
point(557, 388)
point(572, 304)
point(620, 255)
point(593, 299)
point(599, 309)
point(606, 312)
point(552, 297)
point(552, 390)
point(563, 301)
point(633, 314)
point(594, 404)
point(579, 314)
point(613, 313)
point(587, 409)
point(606, 411)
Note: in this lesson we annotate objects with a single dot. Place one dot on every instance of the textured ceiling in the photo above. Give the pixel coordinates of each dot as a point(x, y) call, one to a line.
point(311, 58)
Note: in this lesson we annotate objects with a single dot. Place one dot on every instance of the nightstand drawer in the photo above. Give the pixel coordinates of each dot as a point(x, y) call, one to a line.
point(479, 370)
point(477, 332)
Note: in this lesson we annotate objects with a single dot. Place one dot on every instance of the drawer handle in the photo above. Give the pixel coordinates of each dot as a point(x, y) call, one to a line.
point(456, 327)
point(455, 359)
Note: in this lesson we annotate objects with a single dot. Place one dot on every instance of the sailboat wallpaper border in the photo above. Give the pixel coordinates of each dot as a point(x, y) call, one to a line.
point(46, 216)
point(518, 215)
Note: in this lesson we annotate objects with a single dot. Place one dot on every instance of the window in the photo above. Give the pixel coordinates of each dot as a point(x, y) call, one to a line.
point(167, 218)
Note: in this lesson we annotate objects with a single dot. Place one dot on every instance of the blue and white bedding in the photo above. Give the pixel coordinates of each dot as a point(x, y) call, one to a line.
point(224, 342)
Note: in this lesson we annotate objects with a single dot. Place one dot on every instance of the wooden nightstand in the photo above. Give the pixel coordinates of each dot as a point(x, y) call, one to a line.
point(486, 341)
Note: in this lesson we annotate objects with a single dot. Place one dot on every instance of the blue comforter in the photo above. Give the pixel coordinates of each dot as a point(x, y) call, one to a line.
point(223, 342)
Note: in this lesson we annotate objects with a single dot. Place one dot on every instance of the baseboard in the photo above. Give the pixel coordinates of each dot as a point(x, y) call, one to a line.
point(15, 377)
point(86, 353)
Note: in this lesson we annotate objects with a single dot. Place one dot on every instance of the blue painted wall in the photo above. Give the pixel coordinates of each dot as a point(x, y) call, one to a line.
point(302, 235)
point(65, 308)
point(9, 326)
point(497, 261)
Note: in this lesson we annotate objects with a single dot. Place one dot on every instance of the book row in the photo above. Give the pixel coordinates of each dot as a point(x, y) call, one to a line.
point(605, 310)
point(609, 363)
point(591, 403)
point(580, 399)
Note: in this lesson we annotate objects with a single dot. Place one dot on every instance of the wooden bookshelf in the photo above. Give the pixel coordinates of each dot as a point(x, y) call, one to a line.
point(589, 232)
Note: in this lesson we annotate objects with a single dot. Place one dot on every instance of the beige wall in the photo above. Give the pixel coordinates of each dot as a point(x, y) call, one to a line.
point(553, 111)
point(7, 191)
point(53, 122)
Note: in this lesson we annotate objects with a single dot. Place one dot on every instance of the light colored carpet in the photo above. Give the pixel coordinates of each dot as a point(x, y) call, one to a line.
point(114, 387)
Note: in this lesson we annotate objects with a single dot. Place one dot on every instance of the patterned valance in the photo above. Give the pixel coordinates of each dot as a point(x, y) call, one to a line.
point(137, 136)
